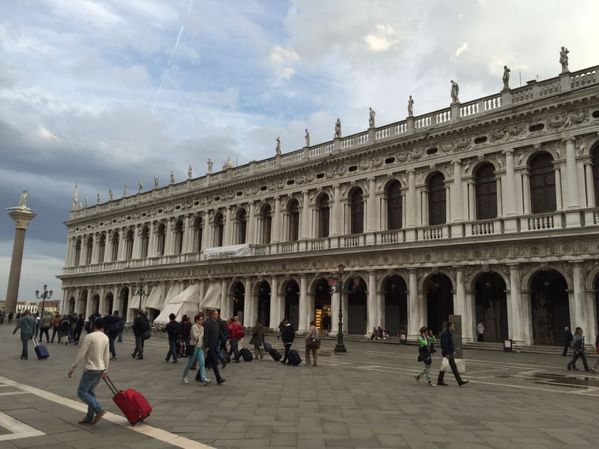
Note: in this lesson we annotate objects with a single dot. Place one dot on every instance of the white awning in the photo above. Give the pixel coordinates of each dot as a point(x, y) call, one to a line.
point(224, 252)
point(173, 291)
point(156, 298)
point(185, 303)
point(212, 298)
point(134, 302)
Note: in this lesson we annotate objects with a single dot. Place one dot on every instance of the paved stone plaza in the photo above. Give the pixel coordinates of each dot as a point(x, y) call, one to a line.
point(367, 398)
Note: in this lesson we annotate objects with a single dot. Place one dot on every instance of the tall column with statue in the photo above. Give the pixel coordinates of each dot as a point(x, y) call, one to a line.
point(22, 216)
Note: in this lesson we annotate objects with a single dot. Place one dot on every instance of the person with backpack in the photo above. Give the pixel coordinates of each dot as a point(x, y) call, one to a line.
point(196, 354)
point(173, 330)
point(425, 355)
point(56, 327)
point(578, 350)
point(65, 329)
point(141, 330)
point(312, 344)
point(45, 324)
point(258, 339)
point(236, 333)
point(287, 336)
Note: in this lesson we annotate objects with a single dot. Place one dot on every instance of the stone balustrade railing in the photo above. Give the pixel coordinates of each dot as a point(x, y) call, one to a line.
point(465, 230)
point(464, 111)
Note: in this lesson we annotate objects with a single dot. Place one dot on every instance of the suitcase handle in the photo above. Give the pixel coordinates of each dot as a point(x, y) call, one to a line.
point(111, 386)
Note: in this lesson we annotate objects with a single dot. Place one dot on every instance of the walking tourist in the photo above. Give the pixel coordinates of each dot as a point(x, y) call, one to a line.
point(578, 350)
point(45, 324)
point(447, 349)
point(141, 330)
point(185, 335)
point(28, 328)
point(56, 327)
point(568, 337)
point(196, 350)
point(212, 340)
point(173, 330)
point(79, 325)
point(10, 315)
point(121, 328)
point(287, 335)
point(258, 340)
point(596, 367)
point(326, 323)
point(94, 353)
point(480, 331)
point(112, 324)
point(425, 355)
point(236, 333)
point(65, 329)
point(223, 353)
point(312, 344)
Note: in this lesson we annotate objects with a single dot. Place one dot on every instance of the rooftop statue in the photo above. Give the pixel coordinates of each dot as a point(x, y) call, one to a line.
point(156, 181)
point(98, 198)
point(410, 107)
point(76, 197)
point(110, 195)
point(140, 186)
point(210, 164)
point(189, 172)
point(338, 129)
point(125, 190)
point(23, 200)
point(278, 146)
point(371, 116)
point(172, 176)
point(563, 59)
point(307, 137)
point(455, 91)
point(506, 78)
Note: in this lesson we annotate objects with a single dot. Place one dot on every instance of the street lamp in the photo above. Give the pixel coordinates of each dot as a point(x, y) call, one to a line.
point(46, 294)
point(340, 347)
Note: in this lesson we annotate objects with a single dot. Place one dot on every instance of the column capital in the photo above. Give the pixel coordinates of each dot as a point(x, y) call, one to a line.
point(508, 152)
point(568, 140)
point(579, 261)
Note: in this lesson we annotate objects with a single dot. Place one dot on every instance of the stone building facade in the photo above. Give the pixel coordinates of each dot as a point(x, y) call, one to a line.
point(487, 209)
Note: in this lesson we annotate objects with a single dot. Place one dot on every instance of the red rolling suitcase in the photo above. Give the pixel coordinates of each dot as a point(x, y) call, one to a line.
point(131, 402)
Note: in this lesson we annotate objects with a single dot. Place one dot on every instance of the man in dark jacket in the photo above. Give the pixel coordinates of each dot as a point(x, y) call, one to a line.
point(112, 325)
point(185, 334)
point(568, 337)
point(141, 325)
point(213, 337)
point(173, 330)
point(287, 335)
point(448, 350)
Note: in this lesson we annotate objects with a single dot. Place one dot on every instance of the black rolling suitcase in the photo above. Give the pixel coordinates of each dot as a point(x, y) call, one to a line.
point(294, 358)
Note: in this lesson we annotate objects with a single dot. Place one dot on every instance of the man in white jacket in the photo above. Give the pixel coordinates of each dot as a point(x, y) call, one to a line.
point(95, 353)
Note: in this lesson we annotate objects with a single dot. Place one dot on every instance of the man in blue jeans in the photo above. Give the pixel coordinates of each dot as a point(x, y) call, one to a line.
point(96, 356)
point(173, 329)
point(28, 326)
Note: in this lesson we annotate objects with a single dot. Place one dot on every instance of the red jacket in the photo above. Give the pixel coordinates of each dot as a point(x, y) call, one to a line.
point(236, 330)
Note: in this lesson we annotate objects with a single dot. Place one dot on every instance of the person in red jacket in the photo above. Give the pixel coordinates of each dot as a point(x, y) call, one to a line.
point(236, 333)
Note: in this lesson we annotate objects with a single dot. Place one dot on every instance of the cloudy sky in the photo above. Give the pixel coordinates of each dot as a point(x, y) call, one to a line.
point(102, 93)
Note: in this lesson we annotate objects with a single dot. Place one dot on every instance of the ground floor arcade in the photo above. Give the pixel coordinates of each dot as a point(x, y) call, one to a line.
point(529, 303)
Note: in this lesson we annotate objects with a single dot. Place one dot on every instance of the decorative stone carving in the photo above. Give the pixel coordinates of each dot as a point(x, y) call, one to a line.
point(506, 78)
point(455, 91)
point(410, 107)
point(563, 59)
point(371, 118)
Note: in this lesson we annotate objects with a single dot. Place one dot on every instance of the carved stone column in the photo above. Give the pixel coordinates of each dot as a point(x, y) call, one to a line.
point(228, 231)
point(578, 309)
point(573, 203)
point(415, 318)
point(372, 306)
point(248, 303)
point(461, 307)
point(590, 187)
point(337, 213)
point(305, 229)
point(275, 303)
point(335, 300)
point(251, 231)
point(372, 224)
point(303, 304)
point(276, 221)
point(519, 317)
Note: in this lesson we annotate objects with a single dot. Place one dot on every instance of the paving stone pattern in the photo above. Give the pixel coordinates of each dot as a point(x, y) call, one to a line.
point(367, 398)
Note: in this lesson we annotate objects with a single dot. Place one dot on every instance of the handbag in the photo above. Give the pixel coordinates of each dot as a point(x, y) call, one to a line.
point(147, 334)
point(314, 343)
point(445, 367)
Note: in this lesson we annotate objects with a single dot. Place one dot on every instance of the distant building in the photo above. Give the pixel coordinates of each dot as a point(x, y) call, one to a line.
point(35, 307)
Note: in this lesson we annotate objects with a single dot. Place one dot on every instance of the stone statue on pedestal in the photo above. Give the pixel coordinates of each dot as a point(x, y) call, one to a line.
point(338, 129)
point(172, 176)
point(371, 116)
point(455, 91)
point(307, 137)
point(140, 186)
point(563, 59)
point(23, 200)
point(278, 146)
point(506, 78)
point(85, 203)
point(98, 198)
point(125, 190)
point(156, 181)
point(210, 165)
point(189, 172)
point(110, 195)
point(76, 197)
point(410, 107)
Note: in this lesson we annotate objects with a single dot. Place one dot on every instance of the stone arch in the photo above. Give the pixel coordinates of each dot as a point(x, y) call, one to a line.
point(490, 301)
point(261, 296)
point(71, 305)
point(531, 154)
point(290, 295)
point(438, 291)
point(550, 306)
point(108, 302)
point(239, 296)
point(527, 277)
point(472, 278)
point(356, 291)
point(282, 285)
point(348, 189)
point(394, 288)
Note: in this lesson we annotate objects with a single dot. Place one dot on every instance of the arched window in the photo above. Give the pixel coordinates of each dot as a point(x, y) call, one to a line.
point(294, 216)
point(356, 205)
point(595, 161)
point(101, 248)
point(160, 239)
point(89, 249)
point(198, 230)
point(394, 205)
point(115, 247)
point(437, 213)
point(542, 184)
point(145, 239)
point(242, 221)
point(266, 220)
point(486, 192)
point(219, 229)
point(129, 245)
point(323, 209)
point(178, 237)
point(77, 252)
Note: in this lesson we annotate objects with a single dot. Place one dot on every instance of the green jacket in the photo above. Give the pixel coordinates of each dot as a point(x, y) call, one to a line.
point(425, 342)
point(28, 325)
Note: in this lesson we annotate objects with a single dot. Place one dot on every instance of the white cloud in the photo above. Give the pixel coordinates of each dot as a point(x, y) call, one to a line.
point(382, 39)
point(461, 49)
point(45, 134)
point(282, 60)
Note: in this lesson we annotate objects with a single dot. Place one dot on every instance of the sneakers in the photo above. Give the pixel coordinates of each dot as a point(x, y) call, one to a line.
point(464, 382)
point(99, 416)
point(207, 382)
point(220, 381)
point(430, 384)
point(184, 381)
point(442, 384)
